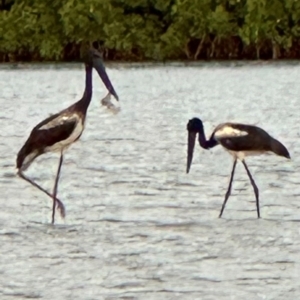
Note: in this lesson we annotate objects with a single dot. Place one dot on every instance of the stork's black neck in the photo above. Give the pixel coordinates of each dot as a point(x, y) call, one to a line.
point(204, 143)
point(85, 101)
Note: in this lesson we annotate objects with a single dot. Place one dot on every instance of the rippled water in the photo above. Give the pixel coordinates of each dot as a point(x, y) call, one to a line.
point(137, 226)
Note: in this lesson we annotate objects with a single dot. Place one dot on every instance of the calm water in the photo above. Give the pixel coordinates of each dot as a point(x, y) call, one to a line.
point(137, 226)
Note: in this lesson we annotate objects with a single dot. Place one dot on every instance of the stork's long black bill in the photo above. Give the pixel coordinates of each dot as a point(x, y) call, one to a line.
point(191, 145)
point(98, 65)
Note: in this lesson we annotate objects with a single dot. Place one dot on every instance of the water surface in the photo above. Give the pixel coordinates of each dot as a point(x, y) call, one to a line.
point(137, 226)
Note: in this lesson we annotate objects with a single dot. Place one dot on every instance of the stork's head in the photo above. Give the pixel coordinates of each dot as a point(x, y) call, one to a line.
point(93, 59)
point(194, 127)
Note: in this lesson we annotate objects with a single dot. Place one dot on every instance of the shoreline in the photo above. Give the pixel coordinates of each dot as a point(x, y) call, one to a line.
point(148, 64)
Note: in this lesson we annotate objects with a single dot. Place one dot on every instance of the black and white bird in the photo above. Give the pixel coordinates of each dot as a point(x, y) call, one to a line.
point(57, 132)
point(240, 140)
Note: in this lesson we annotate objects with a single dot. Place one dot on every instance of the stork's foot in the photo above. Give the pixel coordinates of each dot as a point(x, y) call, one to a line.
point(61, 208)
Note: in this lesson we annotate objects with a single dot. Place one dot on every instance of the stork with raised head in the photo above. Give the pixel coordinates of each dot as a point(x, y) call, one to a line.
point(57, 132)
point(240, 140)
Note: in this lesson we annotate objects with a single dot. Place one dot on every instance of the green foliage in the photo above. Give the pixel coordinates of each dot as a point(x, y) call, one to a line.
point(150, 29)
point(29, 26)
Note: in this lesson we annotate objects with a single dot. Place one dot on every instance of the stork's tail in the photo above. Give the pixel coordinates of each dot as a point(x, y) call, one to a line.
point(279, 149)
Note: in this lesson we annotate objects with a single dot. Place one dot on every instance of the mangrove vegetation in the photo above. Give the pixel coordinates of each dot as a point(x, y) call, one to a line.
point(139, 30)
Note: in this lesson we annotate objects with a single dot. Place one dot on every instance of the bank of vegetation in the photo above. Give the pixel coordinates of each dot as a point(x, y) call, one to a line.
point(139, 30)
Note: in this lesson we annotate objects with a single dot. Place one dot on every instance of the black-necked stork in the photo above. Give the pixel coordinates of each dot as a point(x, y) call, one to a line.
point(240, 140)
point(57, 132)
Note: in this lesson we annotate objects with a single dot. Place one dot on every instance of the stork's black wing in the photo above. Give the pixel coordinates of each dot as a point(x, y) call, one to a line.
point(54, 129)
point(252, 139)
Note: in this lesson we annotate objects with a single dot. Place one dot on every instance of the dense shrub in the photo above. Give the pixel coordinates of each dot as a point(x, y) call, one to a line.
point(150, 29)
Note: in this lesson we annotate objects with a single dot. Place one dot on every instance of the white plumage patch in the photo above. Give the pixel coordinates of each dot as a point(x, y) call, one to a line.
point(65, 143)
point(58, 121)
point(241, 155)
point(28, 160)
point(228, 131)
point(74, 135)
